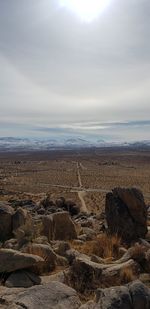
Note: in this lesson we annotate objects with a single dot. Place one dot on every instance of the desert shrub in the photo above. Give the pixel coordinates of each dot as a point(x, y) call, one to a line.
point(104, 246)
point(127, 275)
point(107, 246)
point(138, 252)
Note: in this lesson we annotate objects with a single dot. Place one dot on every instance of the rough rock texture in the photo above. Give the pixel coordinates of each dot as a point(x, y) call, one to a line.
point(113, 275)
point(22, 279)
point(86, 275)
point(140, 295)
point(6, 213)
point(59, 226)
point(133, 296)
point(114, 298)
point(11, 260)
point(19, 218)
point(44, 251)
point(60, 247)
point(126, 213)
point(53, 295)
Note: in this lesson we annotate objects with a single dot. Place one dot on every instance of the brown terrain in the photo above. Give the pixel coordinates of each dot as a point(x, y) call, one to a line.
point(75, 229)
point(93, 172)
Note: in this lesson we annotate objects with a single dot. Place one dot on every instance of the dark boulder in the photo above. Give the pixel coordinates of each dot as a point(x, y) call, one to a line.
point(6, 213)
point(126, 213)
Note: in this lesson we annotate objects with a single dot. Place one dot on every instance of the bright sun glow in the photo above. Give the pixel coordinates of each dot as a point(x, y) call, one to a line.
point(87, 10)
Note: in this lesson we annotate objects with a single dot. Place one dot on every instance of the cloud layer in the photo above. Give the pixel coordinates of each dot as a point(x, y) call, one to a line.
point(61, 74)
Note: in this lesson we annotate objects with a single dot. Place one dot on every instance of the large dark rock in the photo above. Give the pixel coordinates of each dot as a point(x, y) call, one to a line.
point(140, 295)
point(59, 226)
point(49, 296)
point(22, 278)
point(114, 298)
point(6, 213)
point(126, 213)
point(133, 296)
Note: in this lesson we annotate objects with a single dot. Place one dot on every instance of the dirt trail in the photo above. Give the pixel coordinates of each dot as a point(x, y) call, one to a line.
point(82, 166)
point(79, 175)
point(81, 195)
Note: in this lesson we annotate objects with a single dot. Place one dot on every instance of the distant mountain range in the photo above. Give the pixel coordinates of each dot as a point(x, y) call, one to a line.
point(22, 144)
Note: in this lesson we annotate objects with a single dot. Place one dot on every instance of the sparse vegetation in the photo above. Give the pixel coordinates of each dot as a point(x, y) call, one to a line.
point(127, 275)
point(104, 246)
point(95, 258)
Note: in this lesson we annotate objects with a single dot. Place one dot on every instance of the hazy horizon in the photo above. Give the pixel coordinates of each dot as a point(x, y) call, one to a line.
point(65, 74)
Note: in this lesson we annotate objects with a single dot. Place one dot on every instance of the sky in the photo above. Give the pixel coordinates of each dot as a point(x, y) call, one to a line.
point(62, 75)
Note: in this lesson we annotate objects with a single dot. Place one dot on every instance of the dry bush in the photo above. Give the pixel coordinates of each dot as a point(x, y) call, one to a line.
point(127, 275)
point(104, 246)
point(107, 246)
point(138, 252)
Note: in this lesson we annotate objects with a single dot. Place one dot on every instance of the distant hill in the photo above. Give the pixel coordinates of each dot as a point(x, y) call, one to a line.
point(22, 144)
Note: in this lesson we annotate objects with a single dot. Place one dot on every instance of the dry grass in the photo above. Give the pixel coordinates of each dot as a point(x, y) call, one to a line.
point(103, 170)
point(126, 275)
point(104, 246)
point(138, 252)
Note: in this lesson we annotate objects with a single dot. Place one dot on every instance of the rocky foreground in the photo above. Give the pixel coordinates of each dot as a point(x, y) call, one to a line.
point(54, 256)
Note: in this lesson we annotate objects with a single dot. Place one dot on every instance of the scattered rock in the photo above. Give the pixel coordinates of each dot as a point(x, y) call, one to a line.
point(90, 234)
point(11, 244)
point(61, 247)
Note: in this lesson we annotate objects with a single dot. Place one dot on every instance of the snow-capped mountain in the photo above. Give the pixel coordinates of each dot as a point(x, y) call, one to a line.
point(22, 144)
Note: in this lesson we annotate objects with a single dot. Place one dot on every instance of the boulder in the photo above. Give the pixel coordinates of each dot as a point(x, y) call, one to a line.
point(60, 247)
point(6, 213)
point(71, 255)
point(11, 244)
point(90, 233)
point(126, 213)
point(133, 296)
point(119, 273)
point(49, 296)
point(22, 278)
point(19, 218)
point(11, 260)
point(59, 226)
point(114, 298)
point(140, 295)
point(46, 253)
point(147, 261)
point(84, 274)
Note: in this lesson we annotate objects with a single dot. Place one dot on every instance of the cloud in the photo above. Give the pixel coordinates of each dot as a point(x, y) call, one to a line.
point(58, 70)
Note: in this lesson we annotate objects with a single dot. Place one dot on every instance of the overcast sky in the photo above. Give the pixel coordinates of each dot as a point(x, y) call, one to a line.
point(62, 76)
